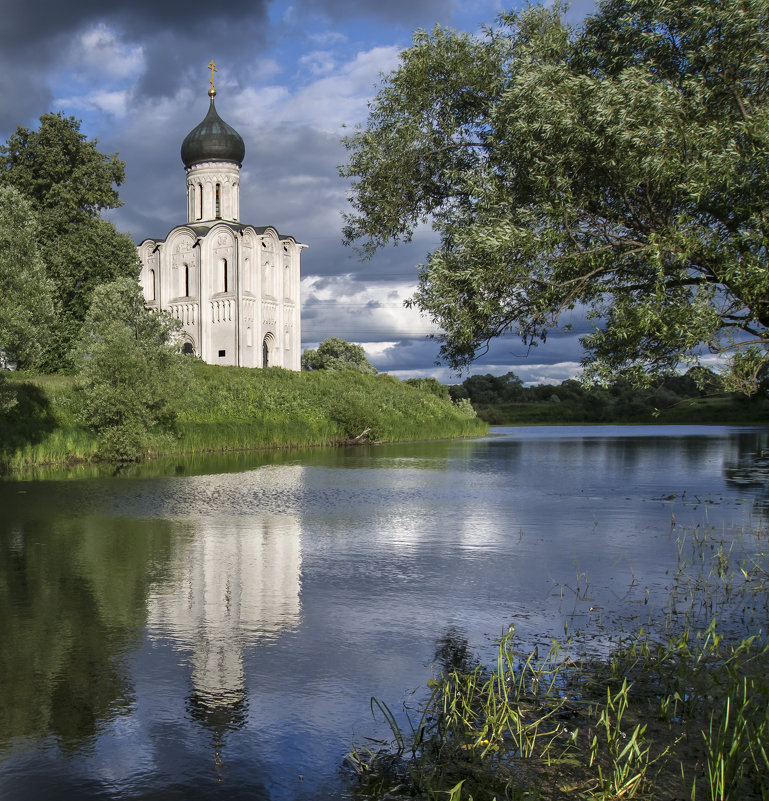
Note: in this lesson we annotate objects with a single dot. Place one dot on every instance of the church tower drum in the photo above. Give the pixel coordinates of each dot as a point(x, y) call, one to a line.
point(212, 153)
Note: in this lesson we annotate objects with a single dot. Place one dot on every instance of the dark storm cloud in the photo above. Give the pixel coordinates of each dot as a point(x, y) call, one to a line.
point(398, 12)
point(174, 34)
point(421, 13)
point(27, 24)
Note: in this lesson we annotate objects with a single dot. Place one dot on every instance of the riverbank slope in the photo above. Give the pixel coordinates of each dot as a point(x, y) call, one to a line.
point(231, 409)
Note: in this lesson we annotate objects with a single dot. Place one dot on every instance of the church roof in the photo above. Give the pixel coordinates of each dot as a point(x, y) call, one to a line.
point(203, 229)
point(212, 140)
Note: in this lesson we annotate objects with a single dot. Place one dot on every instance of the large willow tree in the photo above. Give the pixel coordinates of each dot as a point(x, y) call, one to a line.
point(621, 170)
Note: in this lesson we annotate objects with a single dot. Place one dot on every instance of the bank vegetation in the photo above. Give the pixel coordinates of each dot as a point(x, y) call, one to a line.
point(698, 396)
point(218, 409)
point(678, 710)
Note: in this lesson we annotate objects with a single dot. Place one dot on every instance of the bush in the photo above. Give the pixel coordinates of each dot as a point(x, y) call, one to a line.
point(127, 369)
point(337, 354)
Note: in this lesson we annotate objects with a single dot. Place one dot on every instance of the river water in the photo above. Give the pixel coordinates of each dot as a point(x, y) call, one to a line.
point(216, 628)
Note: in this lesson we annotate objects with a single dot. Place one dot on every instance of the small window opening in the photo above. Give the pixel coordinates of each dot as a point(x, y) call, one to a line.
point(222, 354)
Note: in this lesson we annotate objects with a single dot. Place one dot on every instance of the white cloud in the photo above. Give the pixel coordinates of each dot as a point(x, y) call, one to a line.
point(114, 103)
point(98, 54)
point(365, 312)
point(327, 38)
point(319, 62)
point(325, 103)
point(376, 349)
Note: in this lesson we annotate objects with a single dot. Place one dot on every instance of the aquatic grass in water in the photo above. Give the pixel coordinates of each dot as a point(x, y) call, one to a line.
point(679, 710)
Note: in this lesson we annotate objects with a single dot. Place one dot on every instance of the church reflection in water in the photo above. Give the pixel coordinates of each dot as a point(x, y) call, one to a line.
point(236, 584)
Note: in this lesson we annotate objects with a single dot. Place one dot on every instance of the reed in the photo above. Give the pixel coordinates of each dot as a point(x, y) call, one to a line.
point(679, 710)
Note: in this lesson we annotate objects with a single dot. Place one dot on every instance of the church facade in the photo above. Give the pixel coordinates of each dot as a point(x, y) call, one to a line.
point(233, 286)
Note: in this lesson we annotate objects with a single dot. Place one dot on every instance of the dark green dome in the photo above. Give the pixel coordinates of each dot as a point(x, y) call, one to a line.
point(212, 140)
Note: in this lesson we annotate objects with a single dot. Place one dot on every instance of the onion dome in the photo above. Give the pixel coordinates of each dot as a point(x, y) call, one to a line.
point(212, 140)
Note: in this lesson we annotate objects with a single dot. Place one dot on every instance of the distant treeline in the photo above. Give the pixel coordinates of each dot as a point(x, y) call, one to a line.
point(694, 397)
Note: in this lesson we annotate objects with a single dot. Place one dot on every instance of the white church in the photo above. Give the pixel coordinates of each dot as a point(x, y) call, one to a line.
point(234, 287)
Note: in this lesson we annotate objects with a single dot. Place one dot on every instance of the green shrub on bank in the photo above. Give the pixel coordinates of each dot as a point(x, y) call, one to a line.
point(320, 405)
point(230, 408)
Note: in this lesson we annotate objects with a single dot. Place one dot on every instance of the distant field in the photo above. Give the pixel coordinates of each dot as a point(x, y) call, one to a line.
point(723, 410)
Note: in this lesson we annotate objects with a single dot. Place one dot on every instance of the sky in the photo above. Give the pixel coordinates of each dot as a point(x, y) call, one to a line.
point(293, 77)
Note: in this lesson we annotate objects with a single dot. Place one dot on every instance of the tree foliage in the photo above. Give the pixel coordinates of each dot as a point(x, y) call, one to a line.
point(68, 182)
point(129, 368)
point(431, 385)
point(618, 170)
point(337, 354)
point(26, 307)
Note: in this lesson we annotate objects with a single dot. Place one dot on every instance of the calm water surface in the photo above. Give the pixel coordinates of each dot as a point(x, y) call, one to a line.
point(215, 629)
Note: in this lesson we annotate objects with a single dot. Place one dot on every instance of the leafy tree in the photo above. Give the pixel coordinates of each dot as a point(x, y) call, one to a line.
point(68, 182)
point(494, 389)
point(129, 369)
point(619, 169)
point(431, 385)
point(337, 354)
point(458, 392)
point(26, 307)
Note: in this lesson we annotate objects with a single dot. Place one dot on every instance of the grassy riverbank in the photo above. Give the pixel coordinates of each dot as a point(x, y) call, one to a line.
point(678, 711)
point(231, 409)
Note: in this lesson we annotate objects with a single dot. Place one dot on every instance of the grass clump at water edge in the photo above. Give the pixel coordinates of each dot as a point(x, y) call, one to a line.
point(680, 710)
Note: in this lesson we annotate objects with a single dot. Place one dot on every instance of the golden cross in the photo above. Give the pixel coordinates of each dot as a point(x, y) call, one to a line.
point(213, 69)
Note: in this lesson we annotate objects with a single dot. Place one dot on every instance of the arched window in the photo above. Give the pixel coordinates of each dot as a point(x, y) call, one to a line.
point(186, 280)
point(218, 201)
point(200, 201)
point(265, 353)
point(151, 287)
point(224, 275)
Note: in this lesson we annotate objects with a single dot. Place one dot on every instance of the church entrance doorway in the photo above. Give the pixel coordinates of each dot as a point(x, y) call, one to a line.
point(265, 353)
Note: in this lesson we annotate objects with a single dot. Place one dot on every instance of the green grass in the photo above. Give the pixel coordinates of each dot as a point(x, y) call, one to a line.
point(221, 409)
point(678, 711)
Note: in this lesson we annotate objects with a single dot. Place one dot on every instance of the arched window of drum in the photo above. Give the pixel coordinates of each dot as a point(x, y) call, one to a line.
point(219, 201)
point(151, 287)
point(200, 201)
